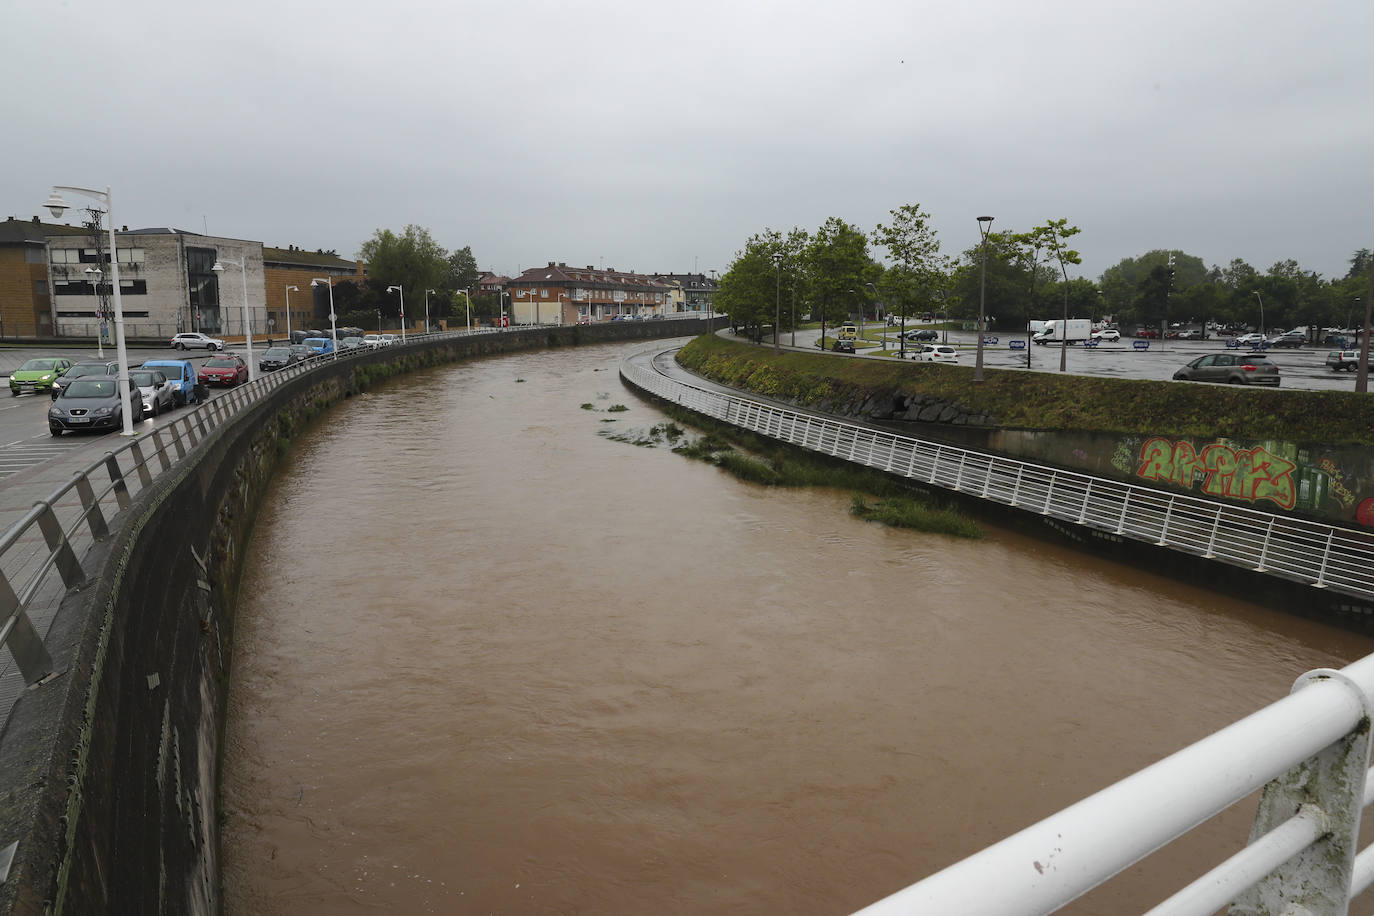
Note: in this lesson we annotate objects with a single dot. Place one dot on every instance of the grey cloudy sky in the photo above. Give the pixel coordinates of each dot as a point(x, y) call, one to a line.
point(659, 137)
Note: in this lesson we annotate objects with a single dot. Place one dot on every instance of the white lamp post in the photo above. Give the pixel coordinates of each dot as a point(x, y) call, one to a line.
point(427, 292)
point(333, 330)
point(397, 289)
point(56, 205)
point(95, 273)
point(467, 298)
point(984, 227)
point(288, 311)
point(218, 268)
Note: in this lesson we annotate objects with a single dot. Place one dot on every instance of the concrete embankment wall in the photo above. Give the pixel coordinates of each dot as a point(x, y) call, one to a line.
point(108, 773)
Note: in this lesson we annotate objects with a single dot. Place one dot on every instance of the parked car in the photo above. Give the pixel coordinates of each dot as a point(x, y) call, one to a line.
point(81, 370)
point(1190, 334)
point(92, 402)
point(274, 358)
point(390, 339)
point(194, 340)
point(226, 370)
point(1291, 339)
point(320, 344)
point(1107, 334)
point(182, 376)
point(1253, 339)
point(155, 388)
point(922, 334)
point(844, 345)
point(1230, 368)
point(373, 340)
point(937, 353)
point(1349, 360)
point(38, 374)
point(303, 352)
point(1146, 333)
point(350, 343)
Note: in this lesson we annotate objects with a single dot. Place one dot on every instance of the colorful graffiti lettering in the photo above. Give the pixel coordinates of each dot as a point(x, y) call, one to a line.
point(1251, 474)
point(1336, 481)
point(1124, 458)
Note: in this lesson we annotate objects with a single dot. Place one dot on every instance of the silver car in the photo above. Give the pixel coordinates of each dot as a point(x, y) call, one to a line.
point(1231, 368)
point(157, 391)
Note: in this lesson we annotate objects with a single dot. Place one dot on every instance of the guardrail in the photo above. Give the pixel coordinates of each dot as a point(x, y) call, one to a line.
point(1324, 556)
point(1310, 752)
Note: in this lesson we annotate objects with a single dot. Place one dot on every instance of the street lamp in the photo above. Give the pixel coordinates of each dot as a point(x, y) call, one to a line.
point(94, 273)
point(56, 205)
point(333, 330)
point(427, 292)
point(984, 227)
point(875, 314)
point(711, 305)
point(777, 300)
point(218, 268)
point(1261, 302)
point(288, 310)
point(397, 289)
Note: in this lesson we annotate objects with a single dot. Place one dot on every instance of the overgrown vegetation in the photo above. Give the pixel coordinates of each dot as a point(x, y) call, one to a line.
point(903, 512)
point(1040, 400)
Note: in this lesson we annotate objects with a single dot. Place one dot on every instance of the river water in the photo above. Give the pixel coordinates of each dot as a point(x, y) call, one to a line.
point(489, 660)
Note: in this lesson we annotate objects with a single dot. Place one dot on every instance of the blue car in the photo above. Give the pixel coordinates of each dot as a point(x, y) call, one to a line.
point(182, 375)
point(320, 345)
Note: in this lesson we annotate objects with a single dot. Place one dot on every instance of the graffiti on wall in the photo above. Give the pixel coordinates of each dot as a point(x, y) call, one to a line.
point(1336, 482)
point(1251, 474)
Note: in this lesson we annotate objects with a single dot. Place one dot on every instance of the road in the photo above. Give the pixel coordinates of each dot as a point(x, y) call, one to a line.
point(24, 438)
point(1303, 367)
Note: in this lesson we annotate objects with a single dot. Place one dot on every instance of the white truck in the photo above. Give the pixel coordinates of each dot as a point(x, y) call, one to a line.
point(1074, 330)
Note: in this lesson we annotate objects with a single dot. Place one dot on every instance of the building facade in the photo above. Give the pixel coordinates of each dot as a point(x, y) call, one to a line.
point(695, 292)
point(287, 273)
point(25, 295)
point(559, 294)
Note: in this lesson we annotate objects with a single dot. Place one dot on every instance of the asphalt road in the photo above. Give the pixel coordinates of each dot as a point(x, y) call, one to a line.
point(1303, 367)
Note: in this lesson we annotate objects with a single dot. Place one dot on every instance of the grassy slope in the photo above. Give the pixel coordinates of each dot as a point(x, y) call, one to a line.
point(1039, 400)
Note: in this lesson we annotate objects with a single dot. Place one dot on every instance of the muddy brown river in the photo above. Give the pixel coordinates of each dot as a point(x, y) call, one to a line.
point(490, 660)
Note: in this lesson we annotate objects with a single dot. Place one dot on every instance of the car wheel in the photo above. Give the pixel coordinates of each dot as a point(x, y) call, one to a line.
point(156, 409)
point(54, 430)
point(178, 346)
point(14, 392)
point(1235, 381)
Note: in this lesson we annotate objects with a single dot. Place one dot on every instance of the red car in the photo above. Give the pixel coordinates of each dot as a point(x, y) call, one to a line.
point(223, 370)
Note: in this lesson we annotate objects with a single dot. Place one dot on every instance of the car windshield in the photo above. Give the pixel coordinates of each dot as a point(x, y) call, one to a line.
point(276, 353)
point(147, 379)
point(78, 371)
point(91, 388)
point(36, 365)
point(221, 362)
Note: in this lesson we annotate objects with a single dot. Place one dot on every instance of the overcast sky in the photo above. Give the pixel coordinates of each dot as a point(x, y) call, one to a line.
point(659, 137)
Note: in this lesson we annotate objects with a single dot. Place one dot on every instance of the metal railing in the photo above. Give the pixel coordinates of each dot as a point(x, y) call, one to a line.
point(1310, 752)
point(1321, 555)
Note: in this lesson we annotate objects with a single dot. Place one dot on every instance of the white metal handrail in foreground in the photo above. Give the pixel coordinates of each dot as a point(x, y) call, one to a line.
point(1321, 555)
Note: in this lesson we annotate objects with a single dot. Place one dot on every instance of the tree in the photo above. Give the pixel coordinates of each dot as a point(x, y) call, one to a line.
point(748, 290)
point(1056, 234)
point(1359, 265)
point(837, 262)
point(412, 260)
point(462, 269)
point(918, 270)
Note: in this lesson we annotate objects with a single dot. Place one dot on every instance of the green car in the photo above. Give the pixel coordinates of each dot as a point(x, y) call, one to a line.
point(37, 375)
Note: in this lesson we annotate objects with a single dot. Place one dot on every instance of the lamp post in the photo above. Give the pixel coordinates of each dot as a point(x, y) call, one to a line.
point(94, 273)
point(288, 311)
point(881, 336)
point(1261, 302)
point(427, 292)
point(56, 205)
point(777, 300)
point(241, 263)
point(1362, 374)
point(333, 330)
point(984, 227)
point(711, 305)
point(397, 289)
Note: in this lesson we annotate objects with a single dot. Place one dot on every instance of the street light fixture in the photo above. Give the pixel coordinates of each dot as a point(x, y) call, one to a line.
point(427, 292)
point(288, 310)
point(56, 205)
point(875, 313)
point(984, 227)
point(777, 300)
point(241, 264)
point(333, 329)
point(1261, 302)
point(94, 273)
point(397, 289)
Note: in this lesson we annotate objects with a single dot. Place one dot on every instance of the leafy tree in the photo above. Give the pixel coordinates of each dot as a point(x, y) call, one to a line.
point(749, 288)
point(919, 271)
point(1056, 234)
point(1008, 281)
point(462, 269)
point(1359, 265)
point(836, 261)
point(412, 260)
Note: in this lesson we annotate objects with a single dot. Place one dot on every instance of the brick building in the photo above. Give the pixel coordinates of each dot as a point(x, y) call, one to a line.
point(25, 297)
point(559, 294)
point(294, 267)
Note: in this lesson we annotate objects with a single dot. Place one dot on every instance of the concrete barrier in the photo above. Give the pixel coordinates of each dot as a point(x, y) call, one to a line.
point(109, 772)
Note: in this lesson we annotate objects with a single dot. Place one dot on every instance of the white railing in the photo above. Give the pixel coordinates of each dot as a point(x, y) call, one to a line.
point(1321, 555)
point(1310, 752)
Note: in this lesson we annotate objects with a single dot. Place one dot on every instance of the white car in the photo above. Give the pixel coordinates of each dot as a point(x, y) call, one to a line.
point(194, 340)
point(937, 353)
point(1108, 334)
point(389, 339)
point(1253, 339)
point(157, 391)
point(373, 340)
